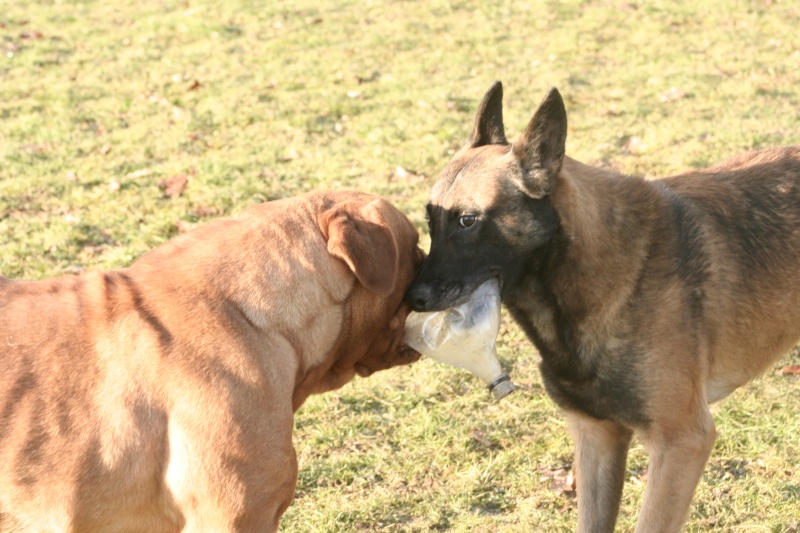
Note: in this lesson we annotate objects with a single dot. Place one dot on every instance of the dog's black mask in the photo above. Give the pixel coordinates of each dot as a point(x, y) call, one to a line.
point(489, 213)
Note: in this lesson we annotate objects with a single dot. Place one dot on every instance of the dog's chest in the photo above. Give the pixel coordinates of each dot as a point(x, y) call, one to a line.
point(586, 373)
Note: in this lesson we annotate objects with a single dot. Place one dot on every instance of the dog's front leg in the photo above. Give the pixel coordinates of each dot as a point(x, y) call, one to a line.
point(677, 459)
point(601, 451)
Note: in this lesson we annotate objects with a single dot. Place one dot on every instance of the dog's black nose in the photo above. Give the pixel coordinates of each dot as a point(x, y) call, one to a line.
point(418, 296)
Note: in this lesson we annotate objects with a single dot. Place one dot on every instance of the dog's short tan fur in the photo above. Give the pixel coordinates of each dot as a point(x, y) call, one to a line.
point(161, 397)
point(648, 300)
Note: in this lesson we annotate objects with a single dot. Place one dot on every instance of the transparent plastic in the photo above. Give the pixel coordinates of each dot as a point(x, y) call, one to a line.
point(464, 336)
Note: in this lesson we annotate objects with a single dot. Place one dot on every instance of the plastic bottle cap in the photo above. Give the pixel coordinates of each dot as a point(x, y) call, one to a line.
point(502, 387)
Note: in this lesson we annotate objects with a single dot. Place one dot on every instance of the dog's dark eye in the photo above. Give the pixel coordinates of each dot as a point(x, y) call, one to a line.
point(428, 220)
point(466, 221)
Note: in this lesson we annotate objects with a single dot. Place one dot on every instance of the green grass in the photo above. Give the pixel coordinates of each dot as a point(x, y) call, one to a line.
point(100, 101)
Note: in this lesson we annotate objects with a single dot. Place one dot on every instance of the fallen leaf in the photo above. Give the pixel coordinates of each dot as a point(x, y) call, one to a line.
point(406, 174)
point(105, 149)
point(562, 481)
point(613, 110)
point(481, 438)
point(174, 186)
point(571, 482)
point(672, 94)
point(638, 477)
point(194, 86)
point(376, 74)
point(38, 148)
point(204, 211)
point(793, 370)
point(634, 145)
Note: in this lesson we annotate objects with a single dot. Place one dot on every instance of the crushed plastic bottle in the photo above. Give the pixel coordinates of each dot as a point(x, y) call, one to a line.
point(464, 336)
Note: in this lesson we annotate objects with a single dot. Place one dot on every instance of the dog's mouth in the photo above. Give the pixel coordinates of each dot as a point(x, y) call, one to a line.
point(499, 278)
point(460, 293)
point(438, 294)
point(468, 294)
point(403, 355)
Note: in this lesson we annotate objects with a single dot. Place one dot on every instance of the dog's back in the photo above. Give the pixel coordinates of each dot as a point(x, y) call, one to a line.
point(738, 246)
point(60, 387)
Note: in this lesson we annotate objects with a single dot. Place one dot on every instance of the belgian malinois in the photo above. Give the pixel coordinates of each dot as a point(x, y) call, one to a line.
point(647, 300)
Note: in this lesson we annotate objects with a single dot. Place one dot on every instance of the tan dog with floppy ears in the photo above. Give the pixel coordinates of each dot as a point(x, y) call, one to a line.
point(161, 397)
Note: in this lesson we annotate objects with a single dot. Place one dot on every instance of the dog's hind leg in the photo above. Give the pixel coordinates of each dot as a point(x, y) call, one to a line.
point(678, 456)
point(601, 452)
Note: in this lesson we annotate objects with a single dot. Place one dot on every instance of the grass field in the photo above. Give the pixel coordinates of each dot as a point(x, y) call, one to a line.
point(102, 101)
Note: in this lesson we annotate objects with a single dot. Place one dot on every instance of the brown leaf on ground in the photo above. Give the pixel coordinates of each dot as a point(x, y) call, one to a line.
point(481, 438)
point(194, 86)
point(791, 370)
point(204, 211)
point(41, 148)
point(406, 174)
point(174, 186)
point(562, 481)
point(672, 94)
point(633, 145)
point(375, 76)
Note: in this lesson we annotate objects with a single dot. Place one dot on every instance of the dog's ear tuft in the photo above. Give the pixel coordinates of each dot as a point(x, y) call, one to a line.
point(489, 120)
point(540, 149)
point(359, 235)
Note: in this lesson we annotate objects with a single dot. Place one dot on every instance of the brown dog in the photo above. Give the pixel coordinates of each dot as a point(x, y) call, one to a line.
point(161, 397)
point(647, 300)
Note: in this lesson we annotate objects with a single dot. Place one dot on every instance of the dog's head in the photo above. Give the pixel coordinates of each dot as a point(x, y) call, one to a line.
point(379, 245)
point(489, 210)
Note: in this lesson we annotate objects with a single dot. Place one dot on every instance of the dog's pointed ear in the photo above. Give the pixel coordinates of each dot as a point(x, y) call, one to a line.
point(540, 149)
point(359, 235)
point(489, 120)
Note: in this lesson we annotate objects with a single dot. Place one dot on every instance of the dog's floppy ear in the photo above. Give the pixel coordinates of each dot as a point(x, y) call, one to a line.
point(489, 121)
point(540, 149)
point(359, 235)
